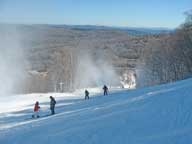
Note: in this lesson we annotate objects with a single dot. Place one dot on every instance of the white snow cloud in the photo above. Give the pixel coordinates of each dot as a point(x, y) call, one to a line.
point(11, 60)
point(95, 73)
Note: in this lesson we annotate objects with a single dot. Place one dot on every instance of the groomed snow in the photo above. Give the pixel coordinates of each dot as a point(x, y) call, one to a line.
point(154, 115)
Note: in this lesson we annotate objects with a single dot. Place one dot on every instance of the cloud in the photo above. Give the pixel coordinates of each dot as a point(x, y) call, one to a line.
point(92, 73)
point(11, 60)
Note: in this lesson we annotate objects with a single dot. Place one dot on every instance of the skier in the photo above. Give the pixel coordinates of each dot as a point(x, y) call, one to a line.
point(105, 89)
point(52, 105)
point(36, 110)
point(86, 94)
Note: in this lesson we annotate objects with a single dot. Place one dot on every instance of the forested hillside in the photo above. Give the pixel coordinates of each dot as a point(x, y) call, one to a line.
point(61, 58)
point(169, 57)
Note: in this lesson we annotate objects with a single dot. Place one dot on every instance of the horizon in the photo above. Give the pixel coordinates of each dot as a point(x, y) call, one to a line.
point(123, 13)
point(90, 25)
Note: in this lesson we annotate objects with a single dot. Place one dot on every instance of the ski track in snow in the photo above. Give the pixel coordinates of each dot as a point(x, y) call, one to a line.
point(107, 105)
point(127, 116)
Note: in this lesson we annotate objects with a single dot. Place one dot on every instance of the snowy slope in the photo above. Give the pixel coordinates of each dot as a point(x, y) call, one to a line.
point(155, 115)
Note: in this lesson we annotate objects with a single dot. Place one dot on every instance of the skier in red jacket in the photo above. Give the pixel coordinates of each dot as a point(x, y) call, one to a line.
point(36, 110)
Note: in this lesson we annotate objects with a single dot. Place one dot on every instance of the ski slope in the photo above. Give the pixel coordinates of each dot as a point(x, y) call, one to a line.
point(153, 115)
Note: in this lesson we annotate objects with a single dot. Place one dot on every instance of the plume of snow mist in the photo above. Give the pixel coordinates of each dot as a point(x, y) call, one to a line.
point(95, 73)
point(11, 60)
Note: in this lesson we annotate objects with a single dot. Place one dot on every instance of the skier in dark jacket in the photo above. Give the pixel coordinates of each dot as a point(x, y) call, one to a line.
point(86, 94)
point(105, 89)
point(52, 105)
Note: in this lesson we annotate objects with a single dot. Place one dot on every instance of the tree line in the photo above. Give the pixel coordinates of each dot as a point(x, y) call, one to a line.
point(168, 57)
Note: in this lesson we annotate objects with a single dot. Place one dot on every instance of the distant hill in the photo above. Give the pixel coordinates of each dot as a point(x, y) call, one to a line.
point(82, 56)
point(130, 30)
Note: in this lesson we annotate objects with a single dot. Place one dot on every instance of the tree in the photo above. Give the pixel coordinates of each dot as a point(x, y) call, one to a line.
point(188, 20)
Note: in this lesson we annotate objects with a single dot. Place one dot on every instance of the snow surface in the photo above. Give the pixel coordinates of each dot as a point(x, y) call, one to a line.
point(153, 115)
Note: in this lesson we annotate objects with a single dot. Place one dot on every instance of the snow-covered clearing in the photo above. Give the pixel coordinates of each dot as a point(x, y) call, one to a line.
point(154, 115)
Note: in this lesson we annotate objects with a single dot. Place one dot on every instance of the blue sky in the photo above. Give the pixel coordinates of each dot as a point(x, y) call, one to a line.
point(134, 13)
